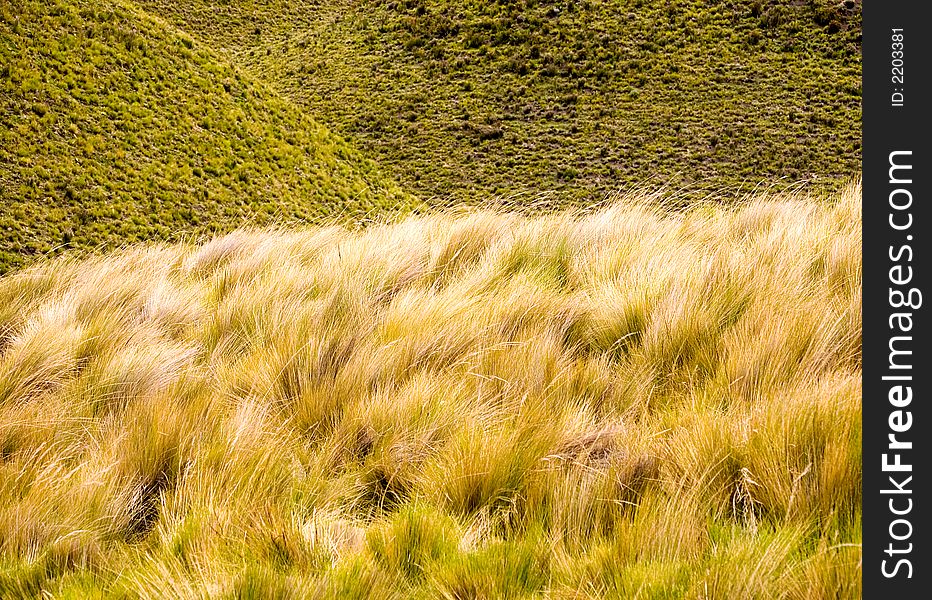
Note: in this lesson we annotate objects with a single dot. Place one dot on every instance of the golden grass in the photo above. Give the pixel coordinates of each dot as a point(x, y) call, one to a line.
point(624, 403)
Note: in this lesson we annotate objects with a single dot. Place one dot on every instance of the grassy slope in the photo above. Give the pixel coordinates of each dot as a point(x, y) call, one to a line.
point(627, 403)
point(115, 127)
point(564, 99)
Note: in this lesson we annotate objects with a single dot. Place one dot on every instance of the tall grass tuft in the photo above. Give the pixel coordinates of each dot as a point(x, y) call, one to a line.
point(628, 402)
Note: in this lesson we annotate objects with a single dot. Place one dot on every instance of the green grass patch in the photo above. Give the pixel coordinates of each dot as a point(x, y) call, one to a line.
point(115, 127)
point(551, 102)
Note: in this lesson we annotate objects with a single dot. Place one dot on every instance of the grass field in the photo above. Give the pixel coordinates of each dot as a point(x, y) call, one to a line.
point(124, 121)
point(565, 99)
point(115, 127)
point(626, 402)
point(264, 369)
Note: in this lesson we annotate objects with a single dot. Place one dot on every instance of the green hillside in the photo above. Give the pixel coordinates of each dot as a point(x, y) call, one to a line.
point(565, 99)
point(115, 127)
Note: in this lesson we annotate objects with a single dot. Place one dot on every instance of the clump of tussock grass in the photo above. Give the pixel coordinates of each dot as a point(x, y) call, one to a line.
point(623, 402)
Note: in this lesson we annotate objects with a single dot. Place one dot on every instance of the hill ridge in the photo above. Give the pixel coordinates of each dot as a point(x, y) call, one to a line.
point(119, 126)
point(465, 100)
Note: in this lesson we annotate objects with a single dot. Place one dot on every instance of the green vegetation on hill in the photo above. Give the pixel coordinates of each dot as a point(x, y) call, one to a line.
point(114, 127)
point(567, 99)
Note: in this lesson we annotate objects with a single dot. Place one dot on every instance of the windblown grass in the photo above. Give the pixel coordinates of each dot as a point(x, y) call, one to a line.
point(627, 403)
